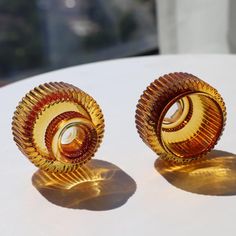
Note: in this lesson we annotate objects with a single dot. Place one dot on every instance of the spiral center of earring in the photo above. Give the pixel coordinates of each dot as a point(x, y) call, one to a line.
point(73, 139)
point(177, 114)
point(174, 113)
point(69, 135)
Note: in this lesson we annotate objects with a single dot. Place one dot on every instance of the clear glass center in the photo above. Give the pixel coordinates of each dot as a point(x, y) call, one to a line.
point(69, 135)
point(174, 113)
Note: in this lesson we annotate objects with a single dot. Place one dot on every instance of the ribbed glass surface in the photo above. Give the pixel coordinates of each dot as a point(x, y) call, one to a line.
point(188, 131)
point(58, 126)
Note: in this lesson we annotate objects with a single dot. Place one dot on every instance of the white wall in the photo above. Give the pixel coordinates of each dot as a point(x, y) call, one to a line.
point(193, 26)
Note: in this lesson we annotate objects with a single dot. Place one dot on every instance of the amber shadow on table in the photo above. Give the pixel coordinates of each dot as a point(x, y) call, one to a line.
point(97, 186)
point(213, 175)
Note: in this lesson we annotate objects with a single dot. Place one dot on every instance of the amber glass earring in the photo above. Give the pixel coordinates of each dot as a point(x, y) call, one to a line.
point(58, 126)
point(180, 117)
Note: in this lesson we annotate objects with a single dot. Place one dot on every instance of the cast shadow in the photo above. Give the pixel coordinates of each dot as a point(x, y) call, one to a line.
point(213, 175)
point(97, 186)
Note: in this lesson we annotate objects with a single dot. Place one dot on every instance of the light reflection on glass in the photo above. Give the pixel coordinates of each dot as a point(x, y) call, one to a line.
point(213, 175)
point(97, 186)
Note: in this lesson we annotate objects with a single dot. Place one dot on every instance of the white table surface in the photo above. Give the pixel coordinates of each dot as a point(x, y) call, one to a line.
point(156, 207)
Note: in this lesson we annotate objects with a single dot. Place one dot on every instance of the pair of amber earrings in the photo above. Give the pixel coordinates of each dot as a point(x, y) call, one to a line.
point(59, 127)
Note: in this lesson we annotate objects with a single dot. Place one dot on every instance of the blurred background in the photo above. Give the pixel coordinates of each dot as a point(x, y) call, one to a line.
point(37, 36)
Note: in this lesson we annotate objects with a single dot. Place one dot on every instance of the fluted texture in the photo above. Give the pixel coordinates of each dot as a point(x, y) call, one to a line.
point(39, 108)
point(198, 126)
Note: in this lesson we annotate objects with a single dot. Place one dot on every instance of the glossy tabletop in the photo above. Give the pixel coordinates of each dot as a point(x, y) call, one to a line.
point(125, 189)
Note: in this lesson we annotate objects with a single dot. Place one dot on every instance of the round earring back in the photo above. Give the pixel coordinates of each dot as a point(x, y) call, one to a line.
point(58, 127)
point(180, 117)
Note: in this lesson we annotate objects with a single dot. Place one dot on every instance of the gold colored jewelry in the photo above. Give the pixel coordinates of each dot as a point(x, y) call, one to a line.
point(58, 127)
point(193, 129)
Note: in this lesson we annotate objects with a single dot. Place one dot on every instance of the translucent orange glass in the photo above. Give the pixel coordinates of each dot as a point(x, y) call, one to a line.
point(187, 132)
point(58, 126)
